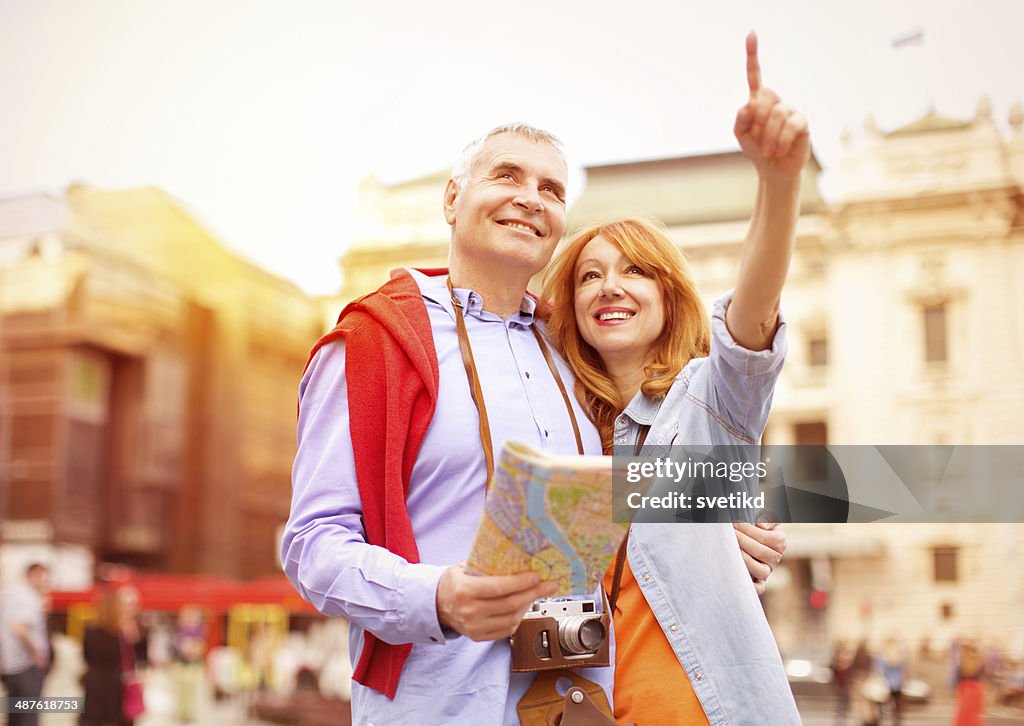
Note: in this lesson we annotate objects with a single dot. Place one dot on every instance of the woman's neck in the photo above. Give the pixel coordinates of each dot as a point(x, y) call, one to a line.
point(627, 375)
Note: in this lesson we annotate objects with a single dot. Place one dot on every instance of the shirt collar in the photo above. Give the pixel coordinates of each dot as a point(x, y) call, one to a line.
point(435, 289)
point(642, 409)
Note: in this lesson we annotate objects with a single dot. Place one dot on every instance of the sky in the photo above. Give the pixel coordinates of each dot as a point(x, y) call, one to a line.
point(261, 117)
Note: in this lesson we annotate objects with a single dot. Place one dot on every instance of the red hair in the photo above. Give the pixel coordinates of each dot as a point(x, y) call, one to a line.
point(687, 331)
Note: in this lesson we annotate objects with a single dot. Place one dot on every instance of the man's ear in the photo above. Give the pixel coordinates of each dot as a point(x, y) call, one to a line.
point(451, 192)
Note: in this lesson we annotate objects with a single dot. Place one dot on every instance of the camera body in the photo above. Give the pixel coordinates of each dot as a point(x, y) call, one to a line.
point(559, 634)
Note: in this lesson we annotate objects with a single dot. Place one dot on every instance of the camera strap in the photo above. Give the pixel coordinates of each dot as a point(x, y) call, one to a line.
point(620, 554)
point(477, 391)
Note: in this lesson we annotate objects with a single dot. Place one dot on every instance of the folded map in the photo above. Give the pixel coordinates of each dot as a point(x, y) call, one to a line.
point(549, 514)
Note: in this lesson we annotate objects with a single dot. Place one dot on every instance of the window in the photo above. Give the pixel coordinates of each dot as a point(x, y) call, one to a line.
point(33, 431)
point(30, 498)
point(89, 398)
point(817, 350)
point(935, 333)
point(811, 433)
point(812, 460)
point(945, 559)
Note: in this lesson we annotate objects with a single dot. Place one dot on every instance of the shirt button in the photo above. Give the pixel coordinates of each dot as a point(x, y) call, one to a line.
point(646, 577)
point(435, 640)
point(622, 440)
point(674, 629)
point(699, 676)
point(527, 374)
point(546, 433)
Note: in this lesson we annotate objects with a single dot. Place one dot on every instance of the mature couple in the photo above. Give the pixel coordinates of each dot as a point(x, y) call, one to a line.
point(398, 403)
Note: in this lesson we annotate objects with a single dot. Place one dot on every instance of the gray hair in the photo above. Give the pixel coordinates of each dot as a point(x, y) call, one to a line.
point(464, 164)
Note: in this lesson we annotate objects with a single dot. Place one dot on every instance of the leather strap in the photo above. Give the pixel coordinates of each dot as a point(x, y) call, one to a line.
point(620, 554)
point(620, 563)
point(542, 705)
point(561, 387)
point(641, 437)
point(476, 390)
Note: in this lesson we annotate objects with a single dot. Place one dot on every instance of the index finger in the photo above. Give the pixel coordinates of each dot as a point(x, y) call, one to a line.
point(753, 65)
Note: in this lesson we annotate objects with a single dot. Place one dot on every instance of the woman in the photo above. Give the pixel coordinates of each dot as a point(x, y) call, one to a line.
point(189, 649)
point(111, 648)
point(692, 647)
point(970, 692)
point(892, 666)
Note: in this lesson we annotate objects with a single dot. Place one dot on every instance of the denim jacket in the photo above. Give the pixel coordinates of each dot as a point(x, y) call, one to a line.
point(693, 575)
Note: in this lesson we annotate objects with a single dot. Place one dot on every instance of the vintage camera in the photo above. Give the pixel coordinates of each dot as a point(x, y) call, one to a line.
point(558, 634)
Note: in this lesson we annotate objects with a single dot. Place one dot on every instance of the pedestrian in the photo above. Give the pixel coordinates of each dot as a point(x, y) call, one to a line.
point(970, 694)
point(189, 650)
point(24, 643)
point(112, 649)
point(892, 666)
point(863, 688)
point(842, 671)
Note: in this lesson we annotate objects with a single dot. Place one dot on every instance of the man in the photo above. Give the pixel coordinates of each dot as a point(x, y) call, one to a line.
point(390, 473)
point(24, 645)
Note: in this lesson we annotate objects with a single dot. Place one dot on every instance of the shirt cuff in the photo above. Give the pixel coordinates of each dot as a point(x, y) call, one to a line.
point(419, 595)
point(750, 362)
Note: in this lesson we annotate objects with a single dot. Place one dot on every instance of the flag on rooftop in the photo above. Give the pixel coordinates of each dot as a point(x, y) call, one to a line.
point(914, 37)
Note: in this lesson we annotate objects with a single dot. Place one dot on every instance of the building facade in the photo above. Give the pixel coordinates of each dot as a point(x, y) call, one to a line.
point(147, 389)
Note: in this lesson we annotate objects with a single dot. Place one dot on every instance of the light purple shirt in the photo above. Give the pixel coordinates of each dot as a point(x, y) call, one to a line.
point(21, 605)
point(448, 678)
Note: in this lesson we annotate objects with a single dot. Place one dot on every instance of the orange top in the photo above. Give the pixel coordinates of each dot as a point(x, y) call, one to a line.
point(651, 687)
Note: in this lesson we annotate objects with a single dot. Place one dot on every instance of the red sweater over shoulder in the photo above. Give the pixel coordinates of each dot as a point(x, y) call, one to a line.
point(392, 375)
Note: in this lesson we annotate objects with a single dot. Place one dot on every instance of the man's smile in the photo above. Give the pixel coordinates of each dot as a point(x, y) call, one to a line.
point(520, 225)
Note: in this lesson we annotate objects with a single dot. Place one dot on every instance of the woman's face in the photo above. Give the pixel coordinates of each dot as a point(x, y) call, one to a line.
point(619, 309)
point(128, 601)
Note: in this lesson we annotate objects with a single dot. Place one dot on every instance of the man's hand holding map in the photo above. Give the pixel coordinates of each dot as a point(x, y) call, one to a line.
point(551, 515)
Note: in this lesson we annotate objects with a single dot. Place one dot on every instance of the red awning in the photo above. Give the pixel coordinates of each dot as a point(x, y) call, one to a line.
point(166, 592)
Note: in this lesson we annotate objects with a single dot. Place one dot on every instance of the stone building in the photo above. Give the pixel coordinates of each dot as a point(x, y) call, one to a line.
point(147, 389)
point(916, 334)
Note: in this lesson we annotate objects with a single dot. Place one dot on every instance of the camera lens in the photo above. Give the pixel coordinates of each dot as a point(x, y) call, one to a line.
point(581, 634)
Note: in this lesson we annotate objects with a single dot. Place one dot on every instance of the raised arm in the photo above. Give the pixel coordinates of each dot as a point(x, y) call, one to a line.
point(775, 139)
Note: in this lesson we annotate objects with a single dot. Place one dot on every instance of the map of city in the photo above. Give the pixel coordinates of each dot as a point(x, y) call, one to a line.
point(549, 514)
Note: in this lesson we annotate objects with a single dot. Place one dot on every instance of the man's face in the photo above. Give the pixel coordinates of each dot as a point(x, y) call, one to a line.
point(39, 579)
point(510, 213)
